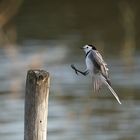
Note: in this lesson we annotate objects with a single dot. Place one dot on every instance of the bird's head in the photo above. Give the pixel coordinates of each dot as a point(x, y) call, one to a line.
point(88, 48)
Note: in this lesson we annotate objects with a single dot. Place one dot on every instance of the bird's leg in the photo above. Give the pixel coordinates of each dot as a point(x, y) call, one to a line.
point(82, 72)
point(85, 72)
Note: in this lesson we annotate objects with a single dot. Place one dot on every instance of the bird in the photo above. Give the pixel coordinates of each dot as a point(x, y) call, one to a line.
point(97, 68)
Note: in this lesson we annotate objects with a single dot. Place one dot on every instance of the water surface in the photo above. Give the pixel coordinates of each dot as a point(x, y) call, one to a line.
point(74, 111)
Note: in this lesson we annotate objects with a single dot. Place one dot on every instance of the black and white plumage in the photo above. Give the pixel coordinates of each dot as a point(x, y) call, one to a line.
point(97, 68)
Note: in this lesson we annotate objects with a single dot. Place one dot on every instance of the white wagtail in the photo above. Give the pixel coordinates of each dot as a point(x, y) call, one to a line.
point(97, 68)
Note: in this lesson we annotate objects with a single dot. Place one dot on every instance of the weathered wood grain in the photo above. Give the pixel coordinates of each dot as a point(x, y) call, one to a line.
point(36, 105)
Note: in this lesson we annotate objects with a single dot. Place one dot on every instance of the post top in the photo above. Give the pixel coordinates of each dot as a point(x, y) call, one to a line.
point(39, 74)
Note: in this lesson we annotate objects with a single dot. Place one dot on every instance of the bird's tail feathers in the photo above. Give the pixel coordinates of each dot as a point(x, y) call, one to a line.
point(97, 83)
point(112, 91)
point(98, 80)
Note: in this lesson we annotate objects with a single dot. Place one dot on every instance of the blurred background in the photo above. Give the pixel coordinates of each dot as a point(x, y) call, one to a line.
point(47, 35)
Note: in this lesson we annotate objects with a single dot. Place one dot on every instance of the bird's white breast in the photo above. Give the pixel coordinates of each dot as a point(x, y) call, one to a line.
point(89, 65)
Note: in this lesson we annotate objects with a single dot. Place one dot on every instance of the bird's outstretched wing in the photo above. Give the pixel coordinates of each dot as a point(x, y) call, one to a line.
point(103, 65)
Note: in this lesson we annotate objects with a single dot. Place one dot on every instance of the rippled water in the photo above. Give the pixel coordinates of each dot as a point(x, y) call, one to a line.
point(74, 112)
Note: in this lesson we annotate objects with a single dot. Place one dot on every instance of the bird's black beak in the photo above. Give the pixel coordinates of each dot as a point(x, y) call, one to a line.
point(81, 48)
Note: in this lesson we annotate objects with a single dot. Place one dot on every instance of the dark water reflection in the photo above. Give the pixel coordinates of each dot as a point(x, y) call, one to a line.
point(99, 120)
point(74, 112)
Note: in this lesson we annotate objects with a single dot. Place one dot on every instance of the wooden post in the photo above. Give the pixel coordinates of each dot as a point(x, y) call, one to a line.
point(36, 105)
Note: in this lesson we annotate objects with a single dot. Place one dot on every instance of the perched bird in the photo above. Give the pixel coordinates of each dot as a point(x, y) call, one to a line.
point(97, 68)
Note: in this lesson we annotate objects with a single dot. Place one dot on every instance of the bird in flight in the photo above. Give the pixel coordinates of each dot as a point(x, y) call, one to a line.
point(97, 68)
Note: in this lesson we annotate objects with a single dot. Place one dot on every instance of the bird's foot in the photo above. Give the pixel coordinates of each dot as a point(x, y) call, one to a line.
point(73, 67)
